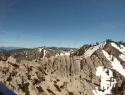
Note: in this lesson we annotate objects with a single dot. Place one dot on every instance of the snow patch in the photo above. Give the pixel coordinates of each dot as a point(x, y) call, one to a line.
point(57, 54)
point(67, 53)
point(62, 54)
point(44, 53)
point(122, 56)
point(91, 50)
point(107, 81)
point(40, 49)
point(121, 48)
point(115, 63)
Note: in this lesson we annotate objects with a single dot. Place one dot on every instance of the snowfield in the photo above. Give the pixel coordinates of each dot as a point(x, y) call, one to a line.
point(122, 56)
point(107, 81)
point(121, 48)
point(116, 65)
point(91, 50)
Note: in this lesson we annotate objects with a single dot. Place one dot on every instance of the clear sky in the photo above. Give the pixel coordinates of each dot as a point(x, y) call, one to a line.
point(62, 23)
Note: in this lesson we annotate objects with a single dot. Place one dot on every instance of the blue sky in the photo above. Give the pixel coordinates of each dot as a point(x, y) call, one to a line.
point(62, 23)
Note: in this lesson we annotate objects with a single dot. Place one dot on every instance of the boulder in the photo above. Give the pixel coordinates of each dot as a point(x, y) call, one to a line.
point(11, 60)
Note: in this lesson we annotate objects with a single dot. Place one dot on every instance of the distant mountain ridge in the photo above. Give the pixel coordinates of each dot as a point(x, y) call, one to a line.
point(16, 48)
point(34, 53)
point(9, 48)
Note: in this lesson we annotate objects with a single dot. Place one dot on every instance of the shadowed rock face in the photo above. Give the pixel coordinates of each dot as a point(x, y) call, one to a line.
point(64, 64)
point(4, 55)
point(82, 50)
point(113, 51)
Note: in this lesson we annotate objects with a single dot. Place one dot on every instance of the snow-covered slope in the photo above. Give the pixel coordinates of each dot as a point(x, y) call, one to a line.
point(121, 48)
point(107, 81)
point(91, 50)
point(116, 65)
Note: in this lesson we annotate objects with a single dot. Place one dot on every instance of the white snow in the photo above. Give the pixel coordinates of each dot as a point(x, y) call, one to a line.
point(106, 85)
point(121, 48)
point(115, 63)
point(44, 53)
point(122, 56)
point(40, 49)
point(62, 54)
point(67, 53)
point(91, 50)
point(57, 54)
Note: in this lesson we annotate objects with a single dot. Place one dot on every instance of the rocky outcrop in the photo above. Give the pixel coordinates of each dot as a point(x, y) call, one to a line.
point(82, 50)
point(11, 60)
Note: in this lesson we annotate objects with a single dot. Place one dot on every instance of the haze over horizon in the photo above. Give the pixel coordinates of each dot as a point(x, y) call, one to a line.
point(61, 23)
